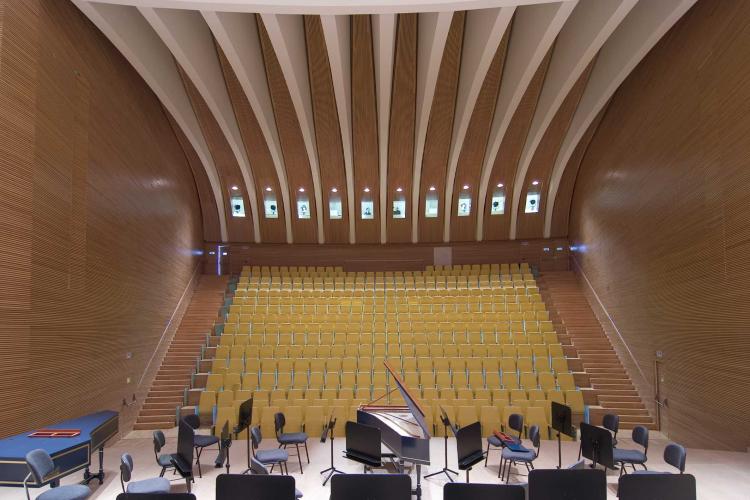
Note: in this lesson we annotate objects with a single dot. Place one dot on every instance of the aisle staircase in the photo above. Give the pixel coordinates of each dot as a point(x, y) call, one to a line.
point(174, 375)
point(573, 316)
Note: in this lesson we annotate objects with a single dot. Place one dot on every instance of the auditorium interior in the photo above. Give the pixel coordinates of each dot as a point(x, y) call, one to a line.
point(374, 249)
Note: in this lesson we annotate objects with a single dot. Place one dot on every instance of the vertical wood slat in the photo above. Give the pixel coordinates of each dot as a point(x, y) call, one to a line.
point(440, 130)
point(661, 204)
point(364, 129)
point(401, 130)
point(99, 217)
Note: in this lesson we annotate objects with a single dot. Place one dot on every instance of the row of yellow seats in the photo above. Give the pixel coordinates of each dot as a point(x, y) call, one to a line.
point(540, 364)
point(414, 353)
point(388, 280)
point(500, 266)
point(429, 285)
point(368, 380)
point(408, 295)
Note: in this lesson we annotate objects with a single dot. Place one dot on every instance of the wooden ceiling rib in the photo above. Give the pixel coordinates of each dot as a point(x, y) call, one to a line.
point(264, 174)
point(497, 227)
point(364, 129)
point(327, 132)
point(561, 211)
point(439, 131)
point(293, 148)
point(209, 211)
point(239, 229)
point(401, 130)
point(474, 146)
point(540, 168)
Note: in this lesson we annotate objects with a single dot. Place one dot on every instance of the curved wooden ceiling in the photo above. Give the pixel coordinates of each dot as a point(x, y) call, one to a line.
point(361, 116)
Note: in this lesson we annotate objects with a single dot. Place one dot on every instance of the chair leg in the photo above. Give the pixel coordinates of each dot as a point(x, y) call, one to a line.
point(487, 454)
point(500, 472)
point(299, 457)
point(307, 453)
point(198, 461)
point(163, 470)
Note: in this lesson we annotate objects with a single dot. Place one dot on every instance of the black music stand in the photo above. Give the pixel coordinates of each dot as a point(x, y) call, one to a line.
point(469, 447)
point(596, 445)
point(243, 424)
point(464, 491)
point(446, 425)
point(562, 422)
point(581, 484)
point(363, 445)
point(225, 442)
point(183, 459)
point(328, 432)
point(371, 487)
point(657, 487)
point(244, 487)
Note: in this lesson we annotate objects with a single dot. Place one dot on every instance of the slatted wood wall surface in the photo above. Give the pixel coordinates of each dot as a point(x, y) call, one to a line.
point(661, 203)
point(98, 216)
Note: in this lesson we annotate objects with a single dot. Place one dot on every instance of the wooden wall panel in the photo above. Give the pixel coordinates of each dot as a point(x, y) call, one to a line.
point(561, 210)
point(661, 207)
point(439, 131)
point(327, 131)
point(401, 129)
point(238, 228)
point(497, 227)
point(296, 162)
point(211, 226)
point(469, 168)
point(540, 168)
point(364, 129)
point(264, 173)
point(99, 219)
point(396, 256)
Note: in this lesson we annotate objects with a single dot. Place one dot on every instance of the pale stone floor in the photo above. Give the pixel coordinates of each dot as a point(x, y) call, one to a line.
point(720, 475)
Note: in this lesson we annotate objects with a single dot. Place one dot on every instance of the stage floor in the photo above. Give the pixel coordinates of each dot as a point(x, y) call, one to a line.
point(720, 475)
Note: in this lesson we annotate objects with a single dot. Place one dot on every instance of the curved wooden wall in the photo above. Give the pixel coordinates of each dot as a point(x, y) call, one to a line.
point(661, 207)
point(99, 218)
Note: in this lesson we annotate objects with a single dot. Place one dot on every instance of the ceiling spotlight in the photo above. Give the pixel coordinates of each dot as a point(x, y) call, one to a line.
point(534, 183)
point(367, 190)
point(466, 186)
point(398, 190)
point(301, 190)
point(334, 190)
point(500, 185)
point(269, 189)
point(234, 188)
point(432, 188)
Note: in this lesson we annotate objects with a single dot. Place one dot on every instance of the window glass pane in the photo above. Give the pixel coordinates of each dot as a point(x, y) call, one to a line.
point(238, 206)
point(497, 206)
point(464, 205)
point(532, 203)
point(399, 209)
point(334, 209)
point(368, 210)
point(431, 207)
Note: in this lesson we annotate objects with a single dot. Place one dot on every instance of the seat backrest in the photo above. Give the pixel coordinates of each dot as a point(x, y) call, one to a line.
point(126, 467)
point(40, 463)
point(256, 467)
point(279, 421)
point(243, 487)
point(192, 420)
point(611, 421)
point(460, 491)
point(675, 455)
point(534, 437)
point(159, 442)
point(256, 436)
point(515, 422)
point(640, 436)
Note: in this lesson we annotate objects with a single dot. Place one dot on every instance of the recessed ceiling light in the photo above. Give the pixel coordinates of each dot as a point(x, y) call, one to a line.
point(432, 188)
point(367, 190)
point(500, 185)
point(269, 189)
point(334, 190)
point(534, 183)
point(398, 190)
point(234, 188)
point(466, 186)
point(301, 190)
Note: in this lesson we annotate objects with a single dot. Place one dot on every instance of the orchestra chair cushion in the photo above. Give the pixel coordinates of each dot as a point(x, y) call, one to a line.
point(630, 456)
point(71, 492)
point(272, 456)
point(527, 455)
point(203, 441)
point(292, 438)
point(152, 485)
